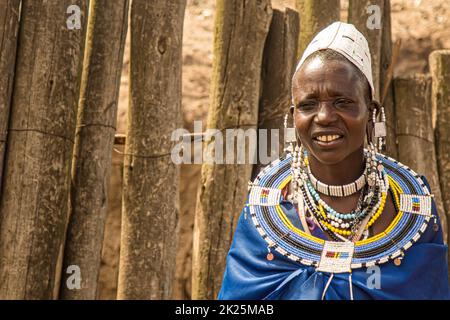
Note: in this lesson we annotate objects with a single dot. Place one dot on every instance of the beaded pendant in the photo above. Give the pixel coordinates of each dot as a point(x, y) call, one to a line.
point(264, 196)
point(417, 204)
point(336, 257)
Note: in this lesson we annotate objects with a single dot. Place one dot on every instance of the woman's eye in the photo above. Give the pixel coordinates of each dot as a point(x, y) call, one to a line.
point(306, 105)
point(343, 102)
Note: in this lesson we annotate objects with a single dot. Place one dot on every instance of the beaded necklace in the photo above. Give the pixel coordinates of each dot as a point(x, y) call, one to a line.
point(371, 201)
point(337, 191)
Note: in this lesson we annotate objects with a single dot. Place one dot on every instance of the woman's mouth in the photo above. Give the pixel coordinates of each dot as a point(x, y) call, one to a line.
point(329, 140)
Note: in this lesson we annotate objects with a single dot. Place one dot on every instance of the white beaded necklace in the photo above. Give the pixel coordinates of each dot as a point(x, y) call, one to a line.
point(375, 178)
point(338, 191)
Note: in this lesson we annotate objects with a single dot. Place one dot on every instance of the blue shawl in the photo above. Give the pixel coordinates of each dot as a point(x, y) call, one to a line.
point(422, 273)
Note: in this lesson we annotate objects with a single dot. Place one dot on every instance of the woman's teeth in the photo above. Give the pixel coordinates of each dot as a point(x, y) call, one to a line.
point(328, 138)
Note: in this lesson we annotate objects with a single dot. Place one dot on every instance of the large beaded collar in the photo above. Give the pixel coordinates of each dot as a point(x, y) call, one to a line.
point(282, 236)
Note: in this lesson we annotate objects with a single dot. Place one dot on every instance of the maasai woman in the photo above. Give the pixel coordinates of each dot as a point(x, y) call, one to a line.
point(332, 219)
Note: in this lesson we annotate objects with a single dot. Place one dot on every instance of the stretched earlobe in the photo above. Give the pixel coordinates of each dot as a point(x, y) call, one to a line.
point(369, 131)
point(375, 105)
point(378, 123)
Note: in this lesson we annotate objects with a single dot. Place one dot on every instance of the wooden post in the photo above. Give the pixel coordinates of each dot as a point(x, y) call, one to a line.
point(415, 132)
point(241, 28)
point(373, 19)
point(367, 24)
point(9, 25)
point(440, 72)
point(94, 139)
point(315, 15)
point(277, 69)
point(150, 191)
point(109, 270)
point(387, 61)
point(34, 204)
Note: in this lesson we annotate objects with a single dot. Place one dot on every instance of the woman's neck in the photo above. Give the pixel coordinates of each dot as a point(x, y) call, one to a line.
point(344, 172)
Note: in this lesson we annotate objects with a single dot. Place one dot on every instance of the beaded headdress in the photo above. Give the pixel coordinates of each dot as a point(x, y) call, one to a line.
point(348, 41)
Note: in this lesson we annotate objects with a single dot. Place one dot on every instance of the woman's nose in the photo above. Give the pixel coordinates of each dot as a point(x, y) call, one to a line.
point(326, 113)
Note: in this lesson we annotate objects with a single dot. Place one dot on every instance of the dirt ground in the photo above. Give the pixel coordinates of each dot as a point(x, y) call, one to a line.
point(422, 25)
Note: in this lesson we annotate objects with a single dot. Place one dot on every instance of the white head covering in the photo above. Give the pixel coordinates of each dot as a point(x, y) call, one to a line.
point(348, 41)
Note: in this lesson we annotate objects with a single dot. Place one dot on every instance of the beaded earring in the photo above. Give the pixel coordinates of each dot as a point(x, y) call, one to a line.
point(379, 129)
point(371, 165)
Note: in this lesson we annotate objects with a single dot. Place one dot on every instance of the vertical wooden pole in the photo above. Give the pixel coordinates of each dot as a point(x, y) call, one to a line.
point(107, 28)
point(358, 16)
point(415, 133)
point(34, 203)
point(150, 193)
point(440, 72)
point(386, 87)
point(241, 28)
point(315, 15)
point(9, 26)
point(109, 269)
point(278, 65)
point(380, 44)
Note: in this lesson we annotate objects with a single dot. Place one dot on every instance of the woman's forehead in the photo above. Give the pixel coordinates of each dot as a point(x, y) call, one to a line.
point(335, 76)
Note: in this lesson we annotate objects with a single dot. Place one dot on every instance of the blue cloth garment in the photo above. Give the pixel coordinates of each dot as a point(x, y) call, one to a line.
point(422, 273)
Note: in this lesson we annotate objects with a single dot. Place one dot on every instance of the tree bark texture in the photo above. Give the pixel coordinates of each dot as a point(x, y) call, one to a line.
point(364, 14)
point(150, 194)
point(415, 134)
point(315, 15)
point(241, 28)
point(278, 66)
point(386, 65)
point(440, 72)
point(107, 29)
point(34, 203)
point(9, 26)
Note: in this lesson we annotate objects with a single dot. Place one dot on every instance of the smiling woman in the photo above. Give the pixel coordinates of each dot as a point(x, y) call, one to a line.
point(321, 219)
point(333, 103)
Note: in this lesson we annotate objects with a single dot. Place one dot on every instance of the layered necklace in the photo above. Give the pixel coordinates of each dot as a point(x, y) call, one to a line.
point(339, 226)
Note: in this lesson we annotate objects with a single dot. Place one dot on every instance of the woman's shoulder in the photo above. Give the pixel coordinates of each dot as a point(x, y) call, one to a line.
point(409, 181)
point(280, 166)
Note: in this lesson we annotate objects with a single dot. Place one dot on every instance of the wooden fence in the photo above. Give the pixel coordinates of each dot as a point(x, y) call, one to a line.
point(61, 63)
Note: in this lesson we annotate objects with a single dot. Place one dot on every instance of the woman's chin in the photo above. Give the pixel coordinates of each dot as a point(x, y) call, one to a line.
point(329, 160)
point(329, 156)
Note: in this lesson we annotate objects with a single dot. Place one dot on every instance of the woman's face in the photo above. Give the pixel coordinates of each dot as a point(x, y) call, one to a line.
point(330, 114)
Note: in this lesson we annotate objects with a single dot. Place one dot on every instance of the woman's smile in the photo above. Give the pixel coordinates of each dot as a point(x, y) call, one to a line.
point(329, 139)
point(329, 142)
